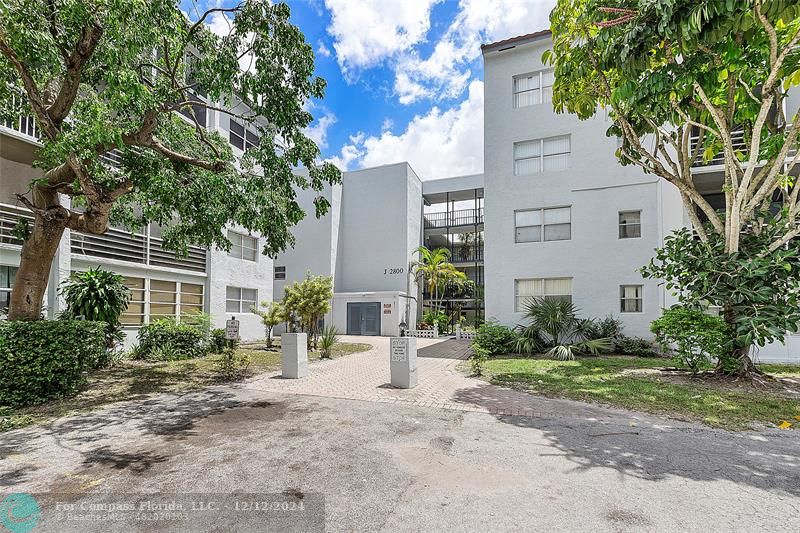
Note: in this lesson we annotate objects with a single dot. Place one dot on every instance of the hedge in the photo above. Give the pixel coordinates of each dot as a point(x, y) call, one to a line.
point(167, 340)
point(45, 359)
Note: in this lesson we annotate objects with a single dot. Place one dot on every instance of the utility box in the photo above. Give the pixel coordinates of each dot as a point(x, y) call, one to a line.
point(403, 362)
point(294, 355)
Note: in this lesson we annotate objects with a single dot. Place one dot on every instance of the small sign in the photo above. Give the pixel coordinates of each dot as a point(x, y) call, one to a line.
point(399, 350)
point(387, 309)
point(232, 329)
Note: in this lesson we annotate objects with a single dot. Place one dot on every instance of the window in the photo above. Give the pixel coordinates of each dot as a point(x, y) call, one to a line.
point(630, 224)
point(542, 155)
point(242, 138)
point(534, 88)
point(280, 272)
point(536, 225)
point(7, 276)
point(134, 313)
point(630, 298)
point(243, 246)
point(191, 299)
point(239, 300)
point(163, 298)
point(546, 288)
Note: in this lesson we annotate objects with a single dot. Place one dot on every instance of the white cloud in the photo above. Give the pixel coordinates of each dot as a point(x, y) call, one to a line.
point(436, 144)
point(368, 31)
point(323, 50)
point(318, 131)
point(446, 71)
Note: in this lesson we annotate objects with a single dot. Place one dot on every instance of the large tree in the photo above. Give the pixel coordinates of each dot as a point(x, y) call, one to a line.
point(103, 75)
point(688, 81)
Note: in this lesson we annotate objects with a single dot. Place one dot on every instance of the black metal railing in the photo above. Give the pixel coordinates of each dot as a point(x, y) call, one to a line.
point(460, 217)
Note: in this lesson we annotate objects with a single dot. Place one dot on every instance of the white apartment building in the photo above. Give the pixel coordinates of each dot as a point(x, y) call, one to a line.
point(553, 215)
point(563, 217)
point(222, 284)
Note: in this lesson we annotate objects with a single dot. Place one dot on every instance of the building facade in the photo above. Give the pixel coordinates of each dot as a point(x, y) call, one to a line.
point(223, 284)
point(563, 218)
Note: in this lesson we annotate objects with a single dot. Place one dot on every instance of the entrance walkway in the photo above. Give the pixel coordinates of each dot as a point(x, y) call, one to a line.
point(365, 376)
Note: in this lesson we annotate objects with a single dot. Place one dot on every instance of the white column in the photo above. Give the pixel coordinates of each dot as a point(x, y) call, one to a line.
point(294, 355)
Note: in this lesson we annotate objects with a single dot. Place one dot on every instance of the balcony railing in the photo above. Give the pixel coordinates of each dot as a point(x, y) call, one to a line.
point(739, 145)
point(114, 244)
point(466, 254)
point(461, 217)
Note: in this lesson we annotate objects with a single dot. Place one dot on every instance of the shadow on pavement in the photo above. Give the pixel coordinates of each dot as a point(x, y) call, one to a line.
point(594, 437)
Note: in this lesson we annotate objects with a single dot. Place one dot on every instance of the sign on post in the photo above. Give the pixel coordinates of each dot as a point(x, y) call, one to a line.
point(403, 362)
point(232, 329)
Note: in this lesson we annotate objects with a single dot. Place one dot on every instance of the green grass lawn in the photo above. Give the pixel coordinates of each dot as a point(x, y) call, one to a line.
point(635, 383)
point(131, 380)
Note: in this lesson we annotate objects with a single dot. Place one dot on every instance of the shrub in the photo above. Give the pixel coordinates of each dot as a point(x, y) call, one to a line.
point(555, 326)
point(439, 318)
point(604, 328)
point(495, 338)
point(45, 359)
point(698, 337)
point(478, 359)
point(634, 346)
point(217, 341)
point(327, 340)
point(97, 295)
point(273, 314)
point(167, 339)
point(232, 366)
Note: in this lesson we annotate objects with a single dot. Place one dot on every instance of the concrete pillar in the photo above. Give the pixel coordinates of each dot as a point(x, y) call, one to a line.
point(294, 355)
point(458, 331)
point(403, 362)
point(435, 330)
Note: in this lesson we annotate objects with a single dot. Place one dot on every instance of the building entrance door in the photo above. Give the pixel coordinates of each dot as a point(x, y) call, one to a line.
point(364, 318)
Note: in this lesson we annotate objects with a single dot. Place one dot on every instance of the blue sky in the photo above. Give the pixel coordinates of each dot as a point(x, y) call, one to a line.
point(405, 77)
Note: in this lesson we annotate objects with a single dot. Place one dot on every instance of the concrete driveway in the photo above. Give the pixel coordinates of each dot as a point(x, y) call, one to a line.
point(362, 465)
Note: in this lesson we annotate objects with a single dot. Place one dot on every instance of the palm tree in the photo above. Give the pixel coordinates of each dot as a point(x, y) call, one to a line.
point(436, 270)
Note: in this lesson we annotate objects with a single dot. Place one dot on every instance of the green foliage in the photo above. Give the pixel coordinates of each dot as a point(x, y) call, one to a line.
point(758, 294)
point(232, 366)
point(495, 338)
point(97, 295)
point(217, 341)
point(437, 318)
point(634, 346)
point(135, 66)
point(478, 358)
point(436, 271)
point(308, 301)
point(699, 337)
point(273, 314)
point(46, 359)
point(554, 325)
point(329, 337)
point(168, 340)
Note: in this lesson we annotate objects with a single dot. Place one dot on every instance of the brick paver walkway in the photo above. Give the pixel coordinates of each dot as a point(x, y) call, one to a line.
point(365, 376)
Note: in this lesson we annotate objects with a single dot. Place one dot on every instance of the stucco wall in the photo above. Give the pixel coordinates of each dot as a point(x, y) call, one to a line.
point(596, 188)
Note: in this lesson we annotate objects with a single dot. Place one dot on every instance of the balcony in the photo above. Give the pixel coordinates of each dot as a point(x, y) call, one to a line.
point(739, 145)
point(449, 219)
point(115, 244)
point(466, 254)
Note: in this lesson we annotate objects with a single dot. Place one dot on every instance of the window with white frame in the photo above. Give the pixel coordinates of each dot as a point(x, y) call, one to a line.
point(243, 246)
point(191, 299)
point(545, 288)
point(241, 137)
point(7, 276)
point(630, 298)
point(534, 88)
point(163, 299)
point(542, 155)
point(134, 314)
point(630, 224)
point(280, 272)
point(239, 299)
point(547, 224)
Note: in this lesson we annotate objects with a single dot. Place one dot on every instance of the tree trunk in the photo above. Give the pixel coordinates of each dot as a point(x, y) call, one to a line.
point(38, 251)
point(269, 337)
point(745, 366)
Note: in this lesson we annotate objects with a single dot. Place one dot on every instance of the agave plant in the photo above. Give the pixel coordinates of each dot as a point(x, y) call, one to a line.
point(329, 337)
point(553, 325)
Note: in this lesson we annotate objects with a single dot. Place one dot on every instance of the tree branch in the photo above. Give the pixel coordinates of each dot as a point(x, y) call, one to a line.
point(84, 49)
